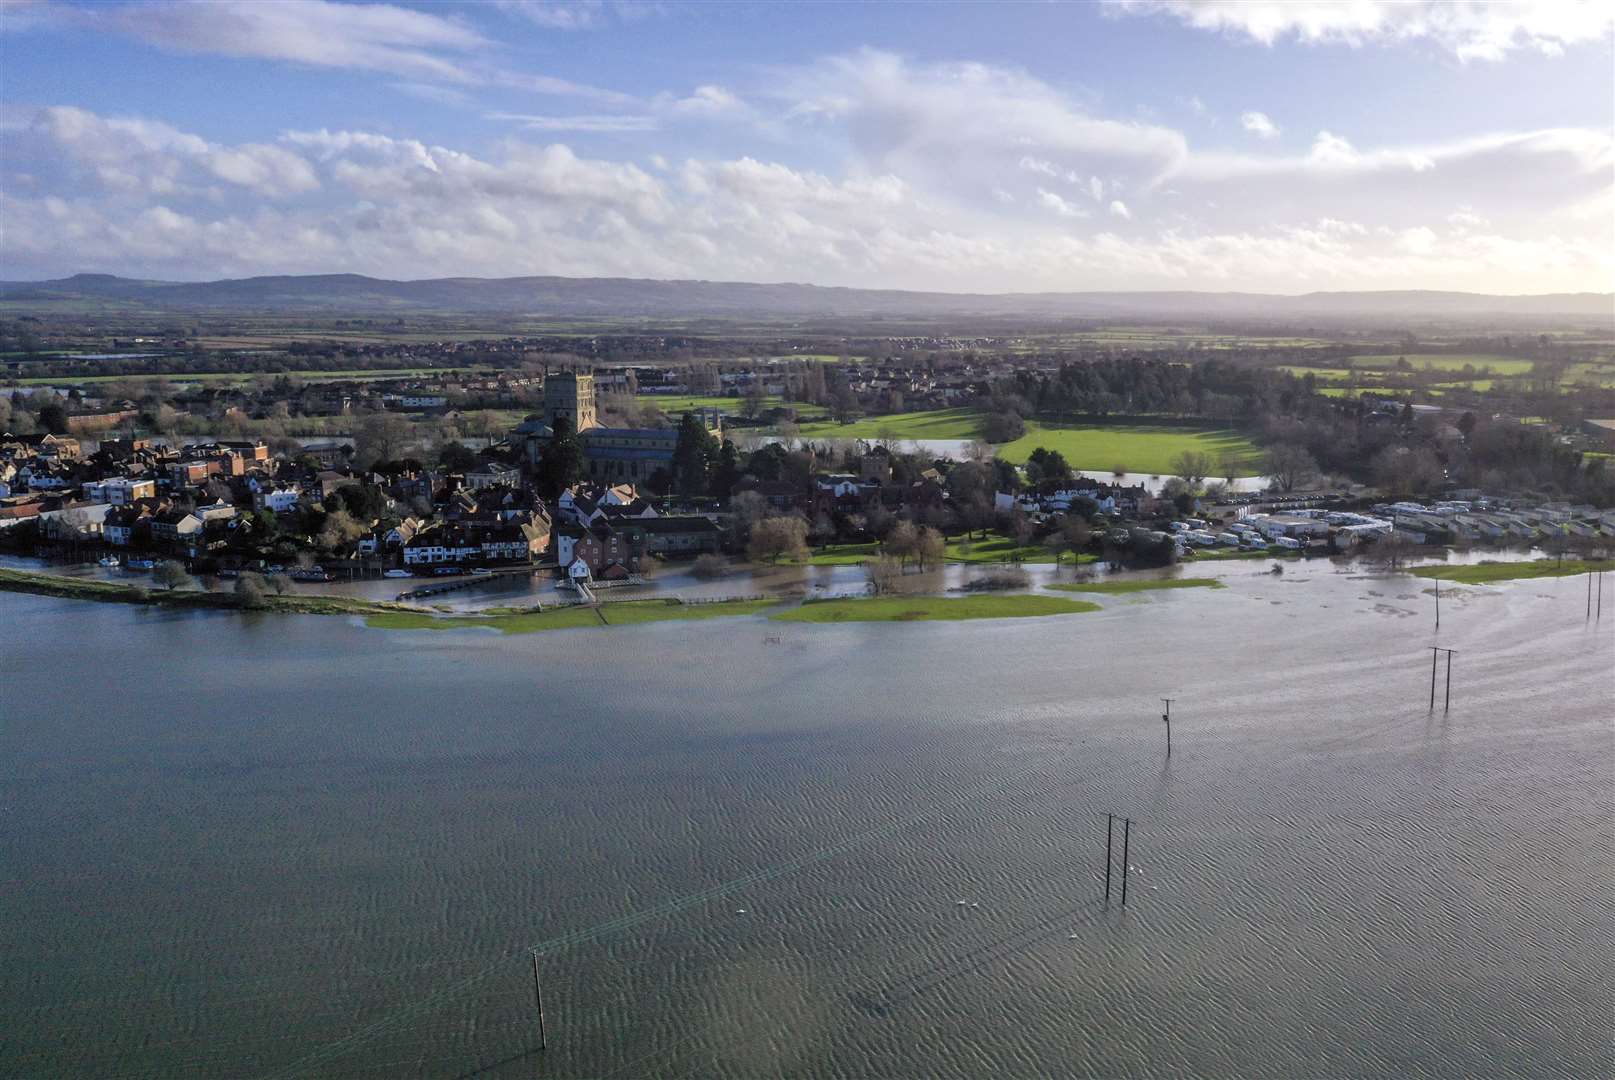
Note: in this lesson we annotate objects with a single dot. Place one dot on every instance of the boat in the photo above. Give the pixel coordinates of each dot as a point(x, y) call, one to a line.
point(396, 573)
point(107, 560)
point(229, 573)
point(140, 564)
point(313, 573)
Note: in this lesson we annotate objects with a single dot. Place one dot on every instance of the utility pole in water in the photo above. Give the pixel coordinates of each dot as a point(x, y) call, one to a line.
point(538, 998)
point(1434, 649)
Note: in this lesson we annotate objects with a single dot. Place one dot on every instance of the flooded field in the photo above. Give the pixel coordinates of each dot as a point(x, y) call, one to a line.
point(287, 846)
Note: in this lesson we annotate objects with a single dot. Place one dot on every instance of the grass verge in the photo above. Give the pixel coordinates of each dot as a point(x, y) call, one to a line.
point(932, 608)
point(1488, 572)
point(1140, 586)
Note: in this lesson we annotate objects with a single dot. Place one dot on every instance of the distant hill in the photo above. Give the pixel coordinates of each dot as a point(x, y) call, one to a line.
point(629, 297)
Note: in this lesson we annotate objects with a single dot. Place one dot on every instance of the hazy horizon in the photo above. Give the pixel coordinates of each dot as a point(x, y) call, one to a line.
point(1131, 146)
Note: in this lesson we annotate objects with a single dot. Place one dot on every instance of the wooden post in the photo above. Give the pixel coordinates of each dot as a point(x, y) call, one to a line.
point(1447, 705)
point(1167, 718)
point(1589, 594)
point(1127, 828)
point(1110, 821)
point(538, 1000)
point(1432, 678)
point(1438, 601)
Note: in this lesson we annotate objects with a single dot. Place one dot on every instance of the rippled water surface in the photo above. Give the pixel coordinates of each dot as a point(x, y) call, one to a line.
point(269, 845)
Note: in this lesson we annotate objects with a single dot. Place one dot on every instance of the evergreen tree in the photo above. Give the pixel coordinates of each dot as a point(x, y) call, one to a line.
point(692, 456)
point(561, 464)
point(726, 472)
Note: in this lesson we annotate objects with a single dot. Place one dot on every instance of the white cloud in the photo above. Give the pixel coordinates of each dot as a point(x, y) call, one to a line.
point(708, 101)
point(1059, 205)
point(599, 124)
point(1258, 124)
point(375, 37)
point(1519, 212)
point(565, 15)
point(960, 125)
point(135, 155)
point(367, 37)
point(1469, 29)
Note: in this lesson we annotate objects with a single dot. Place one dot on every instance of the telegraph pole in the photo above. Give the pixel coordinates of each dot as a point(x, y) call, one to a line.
point(1166, 717)
point(1110, 822)
point(1127, 829)
point(538, 998)
point(1434, 650)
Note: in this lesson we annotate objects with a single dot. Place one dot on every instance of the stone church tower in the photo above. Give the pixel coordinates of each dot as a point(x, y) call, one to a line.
point(571, 396)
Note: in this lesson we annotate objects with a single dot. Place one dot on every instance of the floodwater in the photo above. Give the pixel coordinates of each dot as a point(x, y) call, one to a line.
point(257, 845)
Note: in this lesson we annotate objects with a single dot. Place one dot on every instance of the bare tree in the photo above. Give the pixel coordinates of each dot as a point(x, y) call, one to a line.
point(901, 541)
point(1072, 536)
point(930, 548)
point(249, 591)
point(885, 575)
point(171, 576)
point(778, 537)
point(1193, 466)
point(1288, 466)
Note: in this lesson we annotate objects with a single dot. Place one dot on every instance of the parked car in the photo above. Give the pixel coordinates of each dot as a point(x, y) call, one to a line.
point(396, 573)
point(481, 571)
point(445, 570)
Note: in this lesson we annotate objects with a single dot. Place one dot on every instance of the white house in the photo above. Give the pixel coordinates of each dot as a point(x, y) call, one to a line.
point(279, 500)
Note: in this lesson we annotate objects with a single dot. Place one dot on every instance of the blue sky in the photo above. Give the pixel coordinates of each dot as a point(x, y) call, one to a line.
point(1176, 144)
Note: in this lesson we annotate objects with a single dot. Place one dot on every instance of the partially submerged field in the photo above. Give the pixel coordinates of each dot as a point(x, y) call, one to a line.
point(1487, 572)
point(1137, 448)
point(932, 608)
point(1146, 585)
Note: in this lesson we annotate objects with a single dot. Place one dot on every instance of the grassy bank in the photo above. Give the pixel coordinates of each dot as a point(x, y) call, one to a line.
point(623, 613)
point(932, 608)
point(1114, 587)
point(118, 592)
point(1487, 572)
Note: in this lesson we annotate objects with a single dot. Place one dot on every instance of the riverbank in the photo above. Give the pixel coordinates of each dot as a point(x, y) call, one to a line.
point(118, 592)
point(575, 617)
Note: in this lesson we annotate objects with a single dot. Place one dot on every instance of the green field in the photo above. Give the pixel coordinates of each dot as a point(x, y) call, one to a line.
point(932, 608)
point(1500, 365)
point(1138, 448)
point(843, 554)
point(936, 424)
point(1487, 572)
point(1115, 587)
